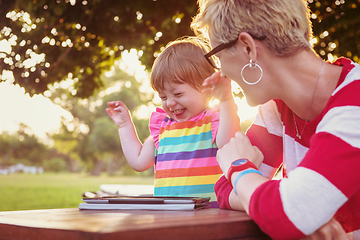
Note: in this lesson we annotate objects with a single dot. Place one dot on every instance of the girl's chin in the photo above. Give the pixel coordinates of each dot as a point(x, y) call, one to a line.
point(181, 117)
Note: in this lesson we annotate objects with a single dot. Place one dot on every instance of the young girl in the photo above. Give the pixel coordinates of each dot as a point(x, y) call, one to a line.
point(185, 134)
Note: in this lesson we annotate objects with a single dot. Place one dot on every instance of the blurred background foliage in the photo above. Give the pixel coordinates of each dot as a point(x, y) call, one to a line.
point(56, 41)
point(84, 38)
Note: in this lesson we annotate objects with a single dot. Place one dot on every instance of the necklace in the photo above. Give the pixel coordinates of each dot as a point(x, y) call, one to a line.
point(298, 135)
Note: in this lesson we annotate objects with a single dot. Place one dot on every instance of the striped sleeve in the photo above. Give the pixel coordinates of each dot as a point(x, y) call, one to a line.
point(266, 133)
point(222, 190)
point(326, 180)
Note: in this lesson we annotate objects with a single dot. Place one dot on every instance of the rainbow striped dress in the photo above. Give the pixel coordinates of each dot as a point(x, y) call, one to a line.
point(185, 155)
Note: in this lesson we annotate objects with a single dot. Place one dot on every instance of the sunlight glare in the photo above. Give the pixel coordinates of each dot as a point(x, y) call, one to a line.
point(37, 112)
point(245, 112)
point(131, 64)
point(143, 112)
point(5, 46)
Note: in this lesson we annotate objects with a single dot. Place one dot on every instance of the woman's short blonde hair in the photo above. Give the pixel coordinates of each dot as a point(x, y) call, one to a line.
point(285, 24)
point(182, 61)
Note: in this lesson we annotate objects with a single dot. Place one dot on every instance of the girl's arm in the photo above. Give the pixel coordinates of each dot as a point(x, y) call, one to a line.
point(229, 123)
point(139, 156)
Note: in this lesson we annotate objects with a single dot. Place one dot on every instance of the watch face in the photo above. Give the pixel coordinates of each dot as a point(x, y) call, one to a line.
point(239, 162)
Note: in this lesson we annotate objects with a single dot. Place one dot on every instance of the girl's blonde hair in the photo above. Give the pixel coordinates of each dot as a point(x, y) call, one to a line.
point(284, 25)
point(182, 61)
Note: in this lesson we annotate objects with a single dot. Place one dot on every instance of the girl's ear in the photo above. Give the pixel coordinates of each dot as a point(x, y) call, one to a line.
point(248, 45)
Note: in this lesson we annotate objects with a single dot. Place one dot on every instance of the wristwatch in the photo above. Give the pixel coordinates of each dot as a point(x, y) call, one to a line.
point(239, 165)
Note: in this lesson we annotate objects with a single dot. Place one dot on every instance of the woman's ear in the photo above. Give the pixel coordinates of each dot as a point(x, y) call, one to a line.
point(248, 44)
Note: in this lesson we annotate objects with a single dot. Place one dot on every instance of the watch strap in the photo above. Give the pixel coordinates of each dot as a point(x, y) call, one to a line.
point(233, 168)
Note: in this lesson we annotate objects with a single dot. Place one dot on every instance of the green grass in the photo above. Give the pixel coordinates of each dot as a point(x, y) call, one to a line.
point(48, 191)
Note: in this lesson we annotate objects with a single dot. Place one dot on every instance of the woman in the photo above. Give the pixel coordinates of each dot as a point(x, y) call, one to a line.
point(308, 121)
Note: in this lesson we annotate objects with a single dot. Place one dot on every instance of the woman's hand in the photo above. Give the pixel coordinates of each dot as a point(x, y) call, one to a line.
point(119, 113)
point(238, 147)
point(218, 86)
point(330, 231)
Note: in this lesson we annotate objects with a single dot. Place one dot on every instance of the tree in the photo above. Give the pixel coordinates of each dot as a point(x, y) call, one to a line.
point(336, 26)
point(81, 39)
point(104, 140)
point(65, 146)
point(20, 147)
point(8, 145)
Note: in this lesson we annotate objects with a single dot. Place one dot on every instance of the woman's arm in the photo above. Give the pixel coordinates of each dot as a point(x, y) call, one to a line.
point(240, 147)
point(266, 200)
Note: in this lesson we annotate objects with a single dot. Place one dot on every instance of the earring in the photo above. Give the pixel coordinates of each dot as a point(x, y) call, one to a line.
point(252, 65)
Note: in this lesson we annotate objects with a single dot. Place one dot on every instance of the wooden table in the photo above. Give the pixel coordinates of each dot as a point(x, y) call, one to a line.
point(68, 224)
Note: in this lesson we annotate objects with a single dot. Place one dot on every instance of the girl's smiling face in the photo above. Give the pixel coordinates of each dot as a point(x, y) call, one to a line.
point(181, 101)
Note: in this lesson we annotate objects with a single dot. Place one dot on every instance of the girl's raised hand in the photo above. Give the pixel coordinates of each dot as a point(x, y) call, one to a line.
point(119, 113)
point(218, 86)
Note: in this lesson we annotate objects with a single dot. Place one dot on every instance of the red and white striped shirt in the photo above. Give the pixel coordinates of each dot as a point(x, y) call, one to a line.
point(321, 169)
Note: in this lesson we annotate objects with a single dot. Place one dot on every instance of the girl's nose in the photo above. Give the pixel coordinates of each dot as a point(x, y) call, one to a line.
point(170, 103)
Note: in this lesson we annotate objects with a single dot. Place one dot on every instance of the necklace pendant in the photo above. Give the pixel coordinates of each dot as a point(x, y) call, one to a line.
point(298, 135)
